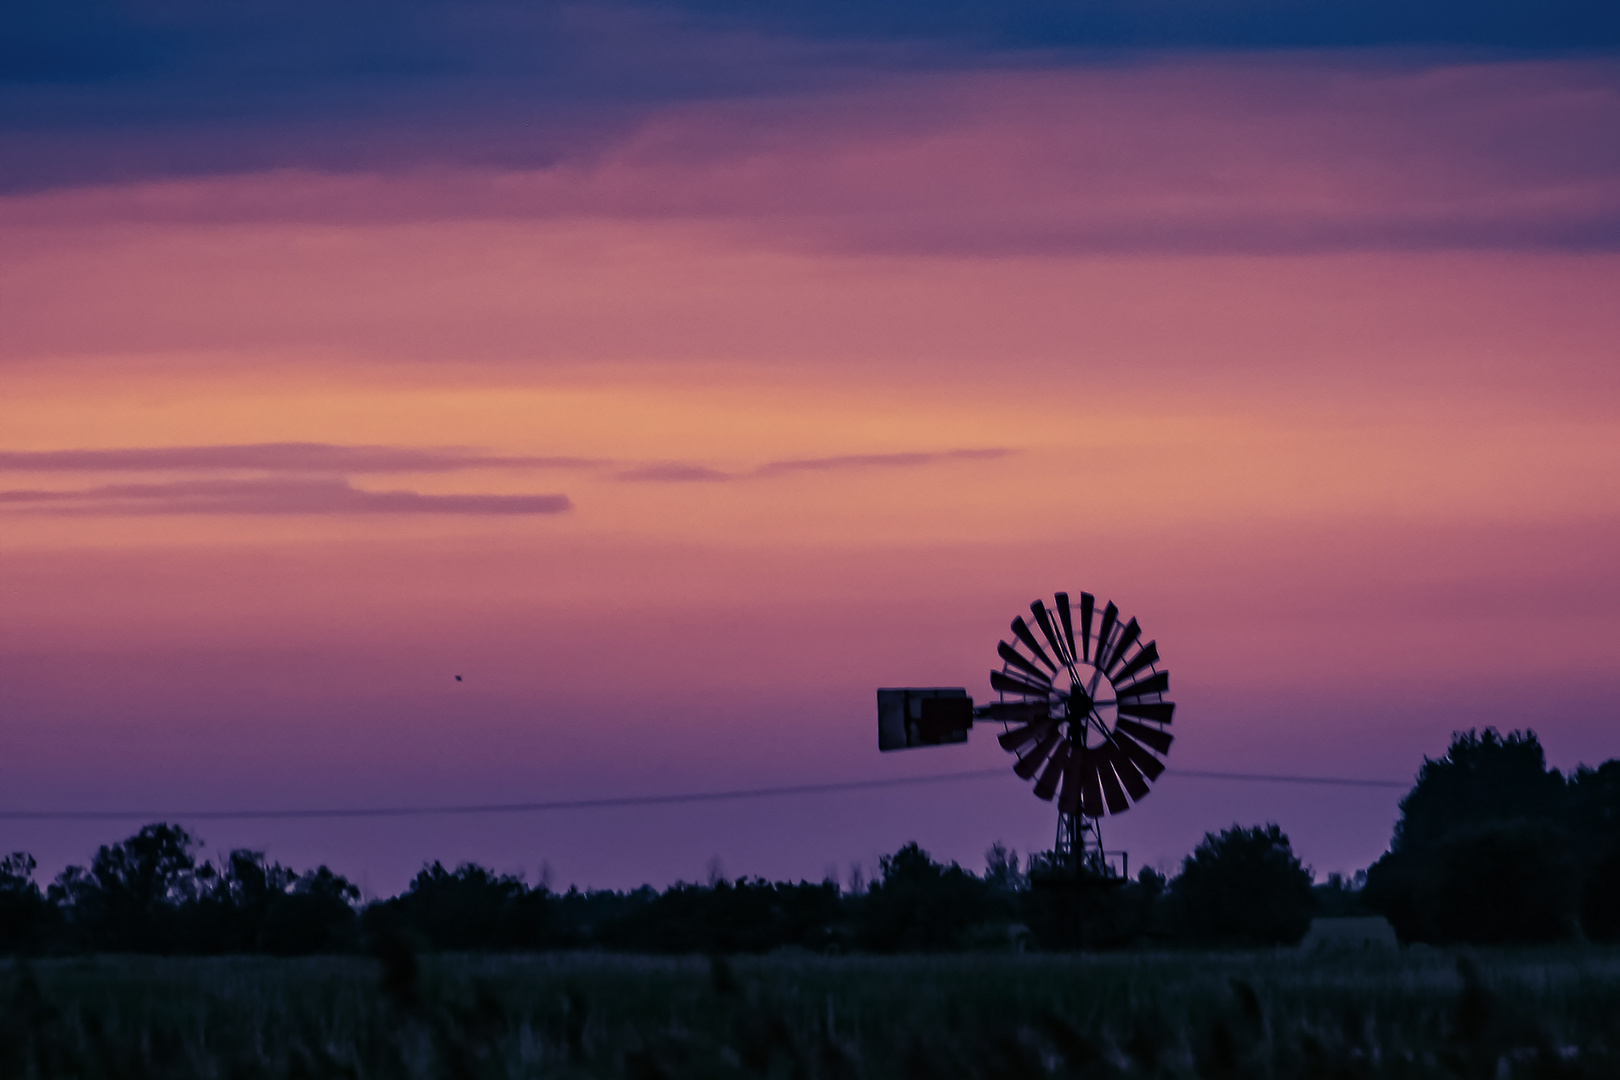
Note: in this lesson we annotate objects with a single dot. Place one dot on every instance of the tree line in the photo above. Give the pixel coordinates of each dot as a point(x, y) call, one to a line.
point(1491, 846)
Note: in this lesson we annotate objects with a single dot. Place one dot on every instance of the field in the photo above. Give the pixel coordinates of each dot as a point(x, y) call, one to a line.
point(1542, 1013)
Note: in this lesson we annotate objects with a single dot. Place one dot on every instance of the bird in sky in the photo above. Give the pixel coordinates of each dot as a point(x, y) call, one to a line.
point(458, 678)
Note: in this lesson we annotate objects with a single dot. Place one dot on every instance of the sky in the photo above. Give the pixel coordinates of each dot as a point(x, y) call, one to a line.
point(678, 374)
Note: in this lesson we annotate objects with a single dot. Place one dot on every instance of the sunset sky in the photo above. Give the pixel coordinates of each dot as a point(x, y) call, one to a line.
point(679, 373)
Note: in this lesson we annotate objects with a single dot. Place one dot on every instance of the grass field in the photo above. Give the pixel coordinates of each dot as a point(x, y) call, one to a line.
point(1541, 1013)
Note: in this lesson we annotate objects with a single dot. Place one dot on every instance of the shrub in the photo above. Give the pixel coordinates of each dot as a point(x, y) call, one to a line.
point(1600, 899)
point(1245, 885)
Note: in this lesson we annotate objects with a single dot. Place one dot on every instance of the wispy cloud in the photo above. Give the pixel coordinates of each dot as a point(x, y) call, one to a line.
point(674, 472)
point(679, 472)
point(270, 497)
point(878, 461)
point(285, 457)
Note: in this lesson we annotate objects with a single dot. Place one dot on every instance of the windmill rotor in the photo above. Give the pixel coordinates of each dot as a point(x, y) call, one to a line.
point(1095, 717)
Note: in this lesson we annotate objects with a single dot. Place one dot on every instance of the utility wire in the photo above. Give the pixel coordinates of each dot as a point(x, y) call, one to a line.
point(625, 800)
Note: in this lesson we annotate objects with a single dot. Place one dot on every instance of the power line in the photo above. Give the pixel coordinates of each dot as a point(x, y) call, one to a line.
point(619, 801)
point(1267, 778)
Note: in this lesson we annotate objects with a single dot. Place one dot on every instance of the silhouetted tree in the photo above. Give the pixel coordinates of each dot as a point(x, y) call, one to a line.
point(25, 917)
point(1592, 818)
point(1341, 896)
point(1502, 881)
point(1001, 872)
point(467, 908)
point(727, 917)
point(128, 899)
point(249, 905)
point(1482, 777)
point(1480, 852)
point(317, 914)
point(1245, 885)
point(921, 905)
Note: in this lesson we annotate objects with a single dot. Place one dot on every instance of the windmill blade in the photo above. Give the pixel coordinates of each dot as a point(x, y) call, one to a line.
point(1026, 766)
point(1062, 599)
point(1157, 711)
point(1091, 793)
point(1148, 655)
point(1138, 755)
point(1069, 799)
point(1046, 786)
point(1127, 638)
point(1009, 684)
point(1021, 628)
point(1012, 741)
point(1017, 660)
point(1113, 794)
point(1087, 602)
point(1157, 683)
point(1014, 710)
point(1044, 619)
point(1105, 629)
point(1129, 775)
point(1159, 740)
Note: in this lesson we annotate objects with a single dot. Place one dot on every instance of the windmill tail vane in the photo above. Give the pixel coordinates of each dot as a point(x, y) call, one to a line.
point(1082, 708)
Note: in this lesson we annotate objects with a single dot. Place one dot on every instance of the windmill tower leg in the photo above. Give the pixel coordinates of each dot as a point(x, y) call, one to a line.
point(1079, 844)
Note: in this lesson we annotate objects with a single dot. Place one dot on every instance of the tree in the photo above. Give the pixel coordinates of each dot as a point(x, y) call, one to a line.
point(1245, 885)
point(1482, 777)
point(1001, 872)
point(920, 905)
point(128, 899)
point(316, 913)
point(1481, 852)
point(1592, 816)
point(468, 908)
point(24, 914)
point(1497, 882)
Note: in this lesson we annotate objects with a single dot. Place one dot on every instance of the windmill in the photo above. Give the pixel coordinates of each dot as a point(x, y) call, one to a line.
point(1082, 709)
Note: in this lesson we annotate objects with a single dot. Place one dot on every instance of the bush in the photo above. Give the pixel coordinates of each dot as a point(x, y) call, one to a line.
point(1600, 899)
point(1245, 885)
point(24, 914)
point(920, 905)
point(466, 908)
point(1499, 882)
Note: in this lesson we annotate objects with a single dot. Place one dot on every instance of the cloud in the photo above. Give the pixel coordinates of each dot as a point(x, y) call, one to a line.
point(680, 472)
point(99, 91)
point(289, 457)
point(869, 461)
point(1184, 154)
point(674, 472)
point(270, 497)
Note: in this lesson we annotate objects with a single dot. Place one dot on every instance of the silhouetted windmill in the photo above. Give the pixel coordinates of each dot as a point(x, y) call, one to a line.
point(1085, 715)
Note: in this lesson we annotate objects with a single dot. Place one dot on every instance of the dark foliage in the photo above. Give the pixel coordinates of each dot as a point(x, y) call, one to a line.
point(1503, 881)
point(1066, 910)
point(1245, 885)
point(1600, 898)
point(467, 908)
point(149, 894)
point(1340, 896)
point(745, 916)
point(129, 899)
point(25, 917)
point(1493, 846)
point(1481, 778)
point(920, 905)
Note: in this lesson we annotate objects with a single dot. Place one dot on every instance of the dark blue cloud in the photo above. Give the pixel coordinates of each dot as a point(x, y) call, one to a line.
point(94, 90)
